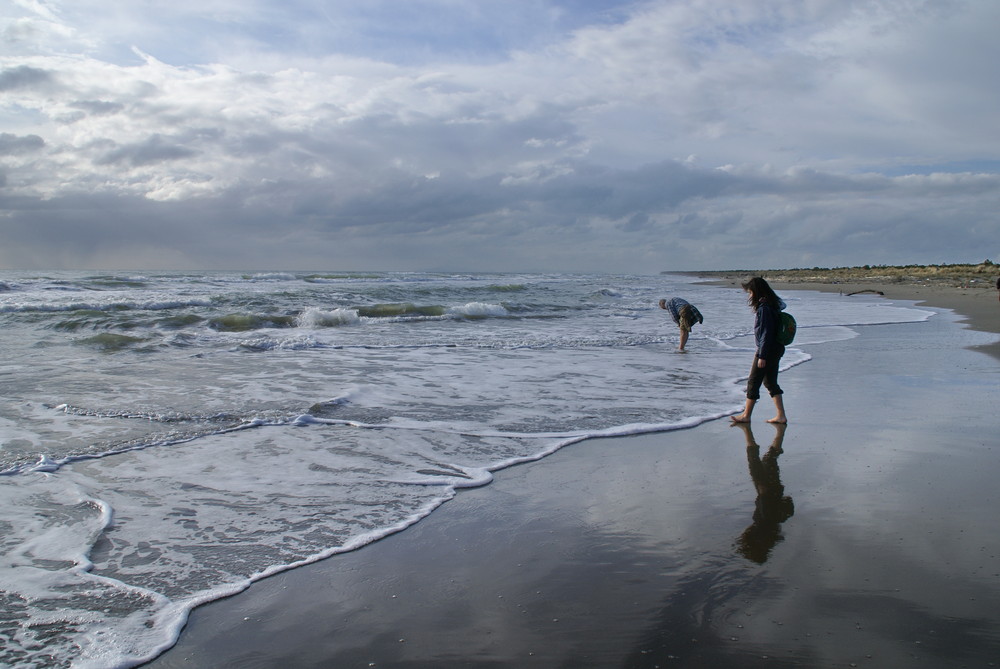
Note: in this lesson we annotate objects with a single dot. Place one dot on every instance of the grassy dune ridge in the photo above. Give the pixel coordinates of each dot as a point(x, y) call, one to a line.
point(969, 276)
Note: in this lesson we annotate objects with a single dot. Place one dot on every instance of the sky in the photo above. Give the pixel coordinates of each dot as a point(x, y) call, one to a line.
point(498, 135)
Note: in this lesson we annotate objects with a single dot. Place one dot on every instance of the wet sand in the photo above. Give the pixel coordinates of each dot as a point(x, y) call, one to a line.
point(863, 534)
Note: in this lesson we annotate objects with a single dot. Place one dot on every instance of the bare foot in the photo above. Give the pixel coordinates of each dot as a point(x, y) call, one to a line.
point(778, 420)
point(740, 419)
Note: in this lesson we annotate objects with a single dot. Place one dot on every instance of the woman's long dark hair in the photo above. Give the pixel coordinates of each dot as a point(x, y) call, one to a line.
point(759, 292)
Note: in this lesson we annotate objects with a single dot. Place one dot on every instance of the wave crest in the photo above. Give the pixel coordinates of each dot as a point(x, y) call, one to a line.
point(313, 317)
point(479, 310)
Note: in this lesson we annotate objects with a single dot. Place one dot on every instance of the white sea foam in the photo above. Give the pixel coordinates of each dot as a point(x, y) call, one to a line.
point(478, 309)
point(273, 276)
point(314, 317)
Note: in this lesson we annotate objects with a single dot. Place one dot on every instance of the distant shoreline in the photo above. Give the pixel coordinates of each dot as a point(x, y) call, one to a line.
point(961, 275)
point(969, 290)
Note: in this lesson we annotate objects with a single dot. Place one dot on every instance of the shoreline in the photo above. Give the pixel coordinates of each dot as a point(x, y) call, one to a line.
point(659, 549)
point(975, 301)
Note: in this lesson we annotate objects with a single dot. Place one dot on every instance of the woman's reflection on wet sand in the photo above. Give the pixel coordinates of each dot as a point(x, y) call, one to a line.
point(773, 507)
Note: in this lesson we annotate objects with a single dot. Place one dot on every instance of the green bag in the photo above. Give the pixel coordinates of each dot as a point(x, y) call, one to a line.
point(786, 333)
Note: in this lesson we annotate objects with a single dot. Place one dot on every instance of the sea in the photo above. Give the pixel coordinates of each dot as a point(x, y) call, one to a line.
point(168, 438)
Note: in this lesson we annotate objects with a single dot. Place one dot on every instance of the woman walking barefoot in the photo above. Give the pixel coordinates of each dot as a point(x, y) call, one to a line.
point(766, 307)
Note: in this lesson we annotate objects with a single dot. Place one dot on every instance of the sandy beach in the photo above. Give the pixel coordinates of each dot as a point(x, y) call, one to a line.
point(862, 535)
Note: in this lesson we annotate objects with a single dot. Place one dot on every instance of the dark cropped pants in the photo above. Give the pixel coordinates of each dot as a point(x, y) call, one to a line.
point(768, 376)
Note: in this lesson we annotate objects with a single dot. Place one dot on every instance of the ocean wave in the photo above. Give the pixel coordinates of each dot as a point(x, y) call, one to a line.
point(313, 317)
point(179, 321)
point(115, 282)
point(111, 342)
point(479, 310)
point(98, 320)
point(411, 311)
point(155, 416)
point(331, 278)
point(241, 322)
point(127, 305)
point(316, 317)
point(271, 276)
point(400, 309)
point(182, 340)
point(296, 343)
point(43, 462)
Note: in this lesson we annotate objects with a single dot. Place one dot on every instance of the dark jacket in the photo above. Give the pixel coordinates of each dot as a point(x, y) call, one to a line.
point(766, 327)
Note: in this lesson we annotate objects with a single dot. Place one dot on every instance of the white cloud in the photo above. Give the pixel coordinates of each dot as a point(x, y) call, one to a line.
point(356, 134)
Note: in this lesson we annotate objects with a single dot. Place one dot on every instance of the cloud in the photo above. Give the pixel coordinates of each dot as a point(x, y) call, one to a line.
point(151, 151)
point(14, 145)
point(23, 77)
point(451, 134)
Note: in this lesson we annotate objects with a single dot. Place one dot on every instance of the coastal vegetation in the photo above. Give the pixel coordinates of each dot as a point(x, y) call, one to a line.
point(964, 274)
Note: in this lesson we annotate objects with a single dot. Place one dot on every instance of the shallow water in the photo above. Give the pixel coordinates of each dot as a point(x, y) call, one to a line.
point(169, 438)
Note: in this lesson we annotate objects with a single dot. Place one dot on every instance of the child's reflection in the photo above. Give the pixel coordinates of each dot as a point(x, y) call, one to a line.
point(773, 506)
